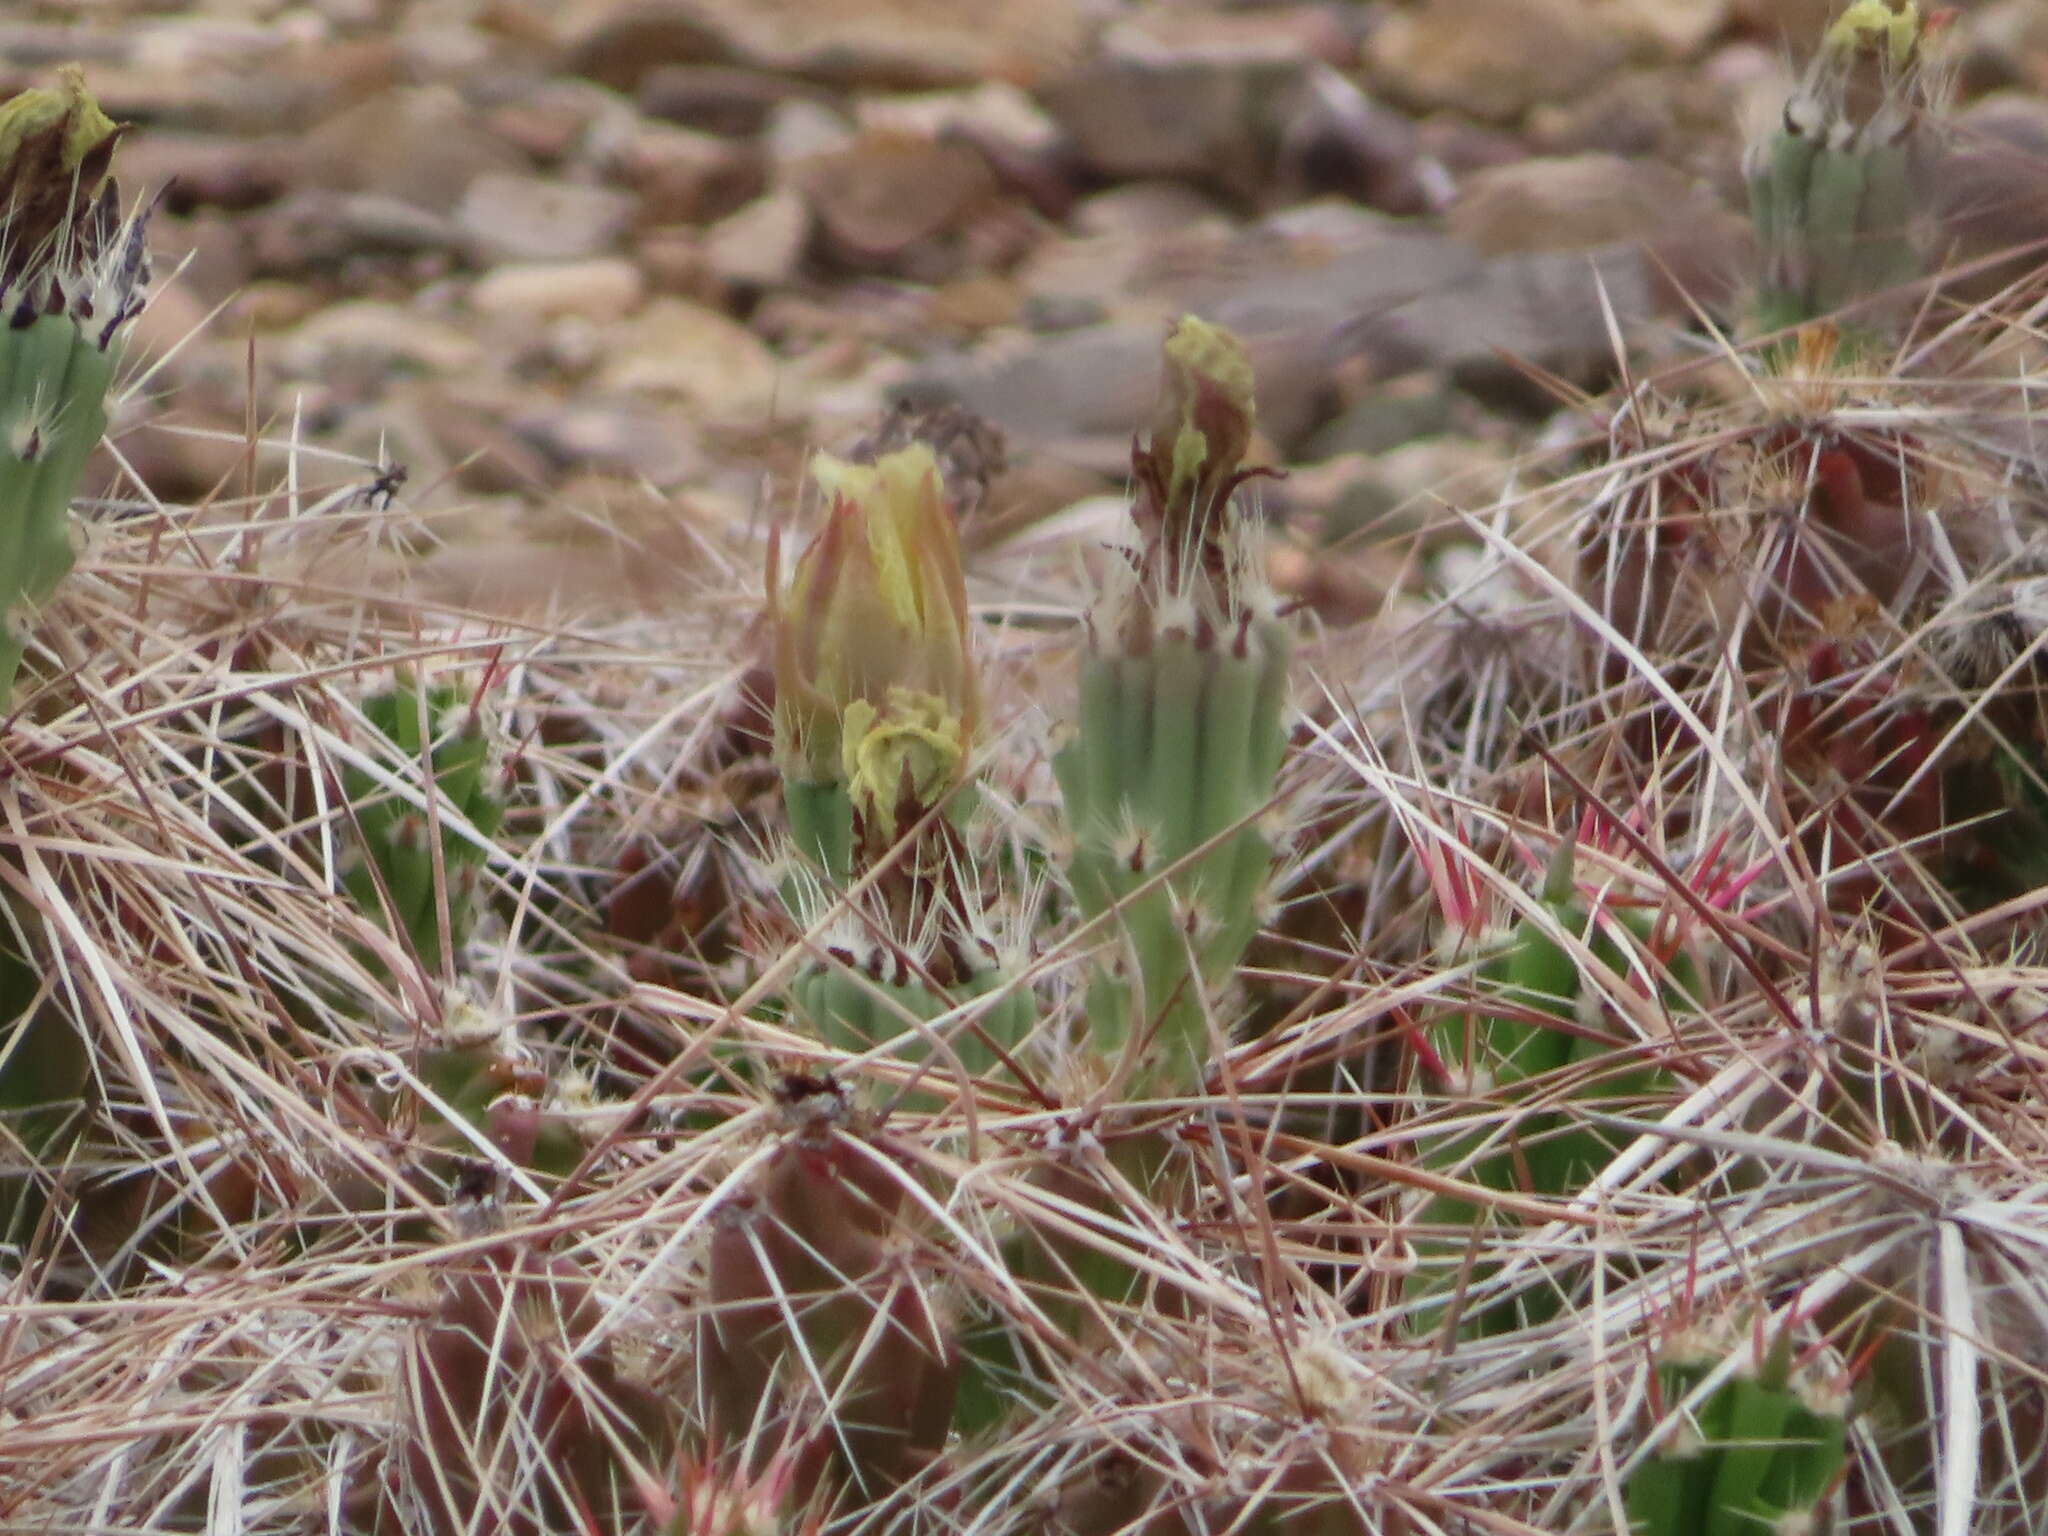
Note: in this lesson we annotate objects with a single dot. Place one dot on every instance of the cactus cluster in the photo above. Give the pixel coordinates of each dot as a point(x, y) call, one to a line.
point(915, 1084)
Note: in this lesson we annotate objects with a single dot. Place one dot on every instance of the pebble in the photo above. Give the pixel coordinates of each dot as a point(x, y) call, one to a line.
point(1492, 59)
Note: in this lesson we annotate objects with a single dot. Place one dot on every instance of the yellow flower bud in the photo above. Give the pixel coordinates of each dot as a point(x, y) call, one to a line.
point(874, 679)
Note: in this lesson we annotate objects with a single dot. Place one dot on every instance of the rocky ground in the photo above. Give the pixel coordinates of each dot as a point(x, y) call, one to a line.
point(598, 272)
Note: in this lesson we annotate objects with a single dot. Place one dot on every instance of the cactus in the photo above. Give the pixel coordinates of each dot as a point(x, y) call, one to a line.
point(815, 1311)
point(418, 868)
point(1182, 718)
point(1758, 1451)
point(1831, 189)
point(71, 279)
point(1515, 1056)
point(518, 1417)
point(876, 700)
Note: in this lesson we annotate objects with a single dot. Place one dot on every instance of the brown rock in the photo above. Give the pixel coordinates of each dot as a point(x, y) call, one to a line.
point(715, 98)
point(696, 357)
point(685, 177)
point(1491, 58)
point(888, 192)
point(422, 145)
point(602, 288)
point(1576, 202)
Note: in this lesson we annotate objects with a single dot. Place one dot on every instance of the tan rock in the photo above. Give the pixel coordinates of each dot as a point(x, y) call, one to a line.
point(603, 288)
point(697, 357)
point(1572, 202)
point(1491, 58)
point(762, 245)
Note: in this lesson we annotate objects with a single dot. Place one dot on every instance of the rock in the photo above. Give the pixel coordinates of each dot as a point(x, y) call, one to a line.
point(899, 43)
point(602, 288)
point(421, 145)
point(536, 218)
point(1149, 209)
point(363, 336)
point(801, 130)
point(550, 120)
point(1337, 140)
point(1576, 202)
point(994, 114)
point(888, 192)
point(763, 244)
point(1385, 417)
point(1194, 115)
point(697, 357)
point(321, 229)
point(618, 42)
point(2005, 44)
point(614, 437)
point(686, 177)
point(205, 170)
point(1662, 31)
point(1990, 190)
point(715, 98)
point(1492, 59)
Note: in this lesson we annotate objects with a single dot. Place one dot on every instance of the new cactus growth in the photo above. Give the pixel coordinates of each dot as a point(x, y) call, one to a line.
point(71, 278)
point(1546, 1040)
point(1758, 1451)
point(423, 842)
point(1182, 719)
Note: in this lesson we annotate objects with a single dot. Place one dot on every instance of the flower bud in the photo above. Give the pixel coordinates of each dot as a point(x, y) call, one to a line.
point(55, 147)
point(874, 678)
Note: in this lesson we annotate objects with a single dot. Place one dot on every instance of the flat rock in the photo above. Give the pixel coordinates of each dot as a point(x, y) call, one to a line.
point(619, 437)
point(1574, 202)
point(539, 218)
point(887, 192)
point(601, 288)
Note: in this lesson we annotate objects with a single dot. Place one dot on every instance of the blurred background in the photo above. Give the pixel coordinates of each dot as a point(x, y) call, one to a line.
point(598, 273)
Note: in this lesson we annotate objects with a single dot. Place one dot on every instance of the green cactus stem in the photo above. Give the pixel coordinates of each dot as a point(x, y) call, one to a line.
point(71, 278)
point(1831, 189)
point(1510, 1058)
point(406, 876)
point(1759, 1452)
point(1182, 719)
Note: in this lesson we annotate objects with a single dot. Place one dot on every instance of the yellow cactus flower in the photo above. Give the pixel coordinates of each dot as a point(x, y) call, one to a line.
point(874, 679)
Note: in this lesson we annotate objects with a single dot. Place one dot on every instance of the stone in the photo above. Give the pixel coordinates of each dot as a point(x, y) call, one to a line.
point(601, 288)
point(1662, 31)
point(683, 176)
point(887, 192)
point(539, 218)
point(1575, 202)
point(762, 245)
point(715, 98)
point(1334, 139)
point(1492, 59)
point(368, 335)
point(614, 437)
point(696, 357)
point(422, 145)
